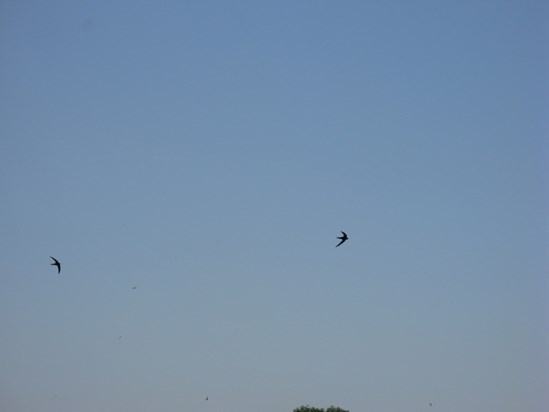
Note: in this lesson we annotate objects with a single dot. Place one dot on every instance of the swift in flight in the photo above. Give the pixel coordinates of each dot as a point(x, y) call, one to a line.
point(56, 263)
point(343, 238)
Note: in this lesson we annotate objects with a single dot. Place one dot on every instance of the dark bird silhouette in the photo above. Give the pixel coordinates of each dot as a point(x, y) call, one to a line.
point(135, 287)
point(430, 404)
point(56, 263)
point(206, 398)
point(343, 238)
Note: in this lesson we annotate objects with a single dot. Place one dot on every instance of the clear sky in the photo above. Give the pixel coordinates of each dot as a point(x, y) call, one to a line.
point(209, 152)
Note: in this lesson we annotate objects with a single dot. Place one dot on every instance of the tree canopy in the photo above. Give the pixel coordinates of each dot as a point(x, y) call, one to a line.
point(308, 408)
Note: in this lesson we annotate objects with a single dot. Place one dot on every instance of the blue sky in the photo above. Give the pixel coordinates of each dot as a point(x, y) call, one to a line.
point(209, 153)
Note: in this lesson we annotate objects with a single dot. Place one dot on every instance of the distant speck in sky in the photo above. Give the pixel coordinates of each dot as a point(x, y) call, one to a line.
point(88, 24)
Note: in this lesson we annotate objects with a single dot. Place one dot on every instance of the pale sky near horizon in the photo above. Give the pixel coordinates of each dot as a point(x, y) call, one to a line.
point(209, 153)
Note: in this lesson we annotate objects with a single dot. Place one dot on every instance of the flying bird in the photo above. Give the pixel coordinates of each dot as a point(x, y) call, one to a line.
point(343, 238)
point(56, 263)
point(206, 398)
point(430, 404)
point(135, 287)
